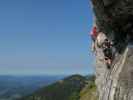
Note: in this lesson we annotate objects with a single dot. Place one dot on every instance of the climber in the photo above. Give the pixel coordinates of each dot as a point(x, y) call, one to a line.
point(107, 50)
point(100, 40)
point(106, 46)
point(94, 34)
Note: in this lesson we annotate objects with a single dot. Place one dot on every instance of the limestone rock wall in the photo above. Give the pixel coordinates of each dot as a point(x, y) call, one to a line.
point(115, 19)
point(116, 83)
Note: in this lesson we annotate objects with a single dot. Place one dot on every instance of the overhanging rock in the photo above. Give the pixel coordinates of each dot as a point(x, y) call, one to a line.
point(114, 16)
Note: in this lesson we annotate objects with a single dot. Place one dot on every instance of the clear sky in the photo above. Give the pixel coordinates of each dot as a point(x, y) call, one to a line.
point(45, 37)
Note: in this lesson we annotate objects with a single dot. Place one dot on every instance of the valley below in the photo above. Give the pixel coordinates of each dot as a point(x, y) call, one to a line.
point(15, 87)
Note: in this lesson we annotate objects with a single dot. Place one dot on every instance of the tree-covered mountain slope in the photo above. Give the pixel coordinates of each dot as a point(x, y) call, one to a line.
point(69, 88)
point(89, 92)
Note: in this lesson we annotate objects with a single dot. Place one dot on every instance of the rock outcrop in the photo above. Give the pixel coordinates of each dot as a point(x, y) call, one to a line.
point(115, 19)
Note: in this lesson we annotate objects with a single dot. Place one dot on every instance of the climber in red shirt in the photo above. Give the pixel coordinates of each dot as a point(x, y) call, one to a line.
point(94, 34)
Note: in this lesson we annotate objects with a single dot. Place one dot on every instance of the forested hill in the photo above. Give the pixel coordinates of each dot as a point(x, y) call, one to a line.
point(67, 89)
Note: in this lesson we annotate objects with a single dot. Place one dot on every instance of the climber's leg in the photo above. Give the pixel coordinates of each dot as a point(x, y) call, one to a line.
point(108, 65)
point(93, 47)
point(108, 62)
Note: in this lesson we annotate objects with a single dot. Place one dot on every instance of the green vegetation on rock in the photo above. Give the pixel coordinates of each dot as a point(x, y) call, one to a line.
point(89, 92)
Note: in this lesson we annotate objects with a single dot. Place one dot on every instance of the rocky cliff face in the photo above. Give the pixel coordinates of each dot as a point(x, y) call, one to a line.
point(115, 19)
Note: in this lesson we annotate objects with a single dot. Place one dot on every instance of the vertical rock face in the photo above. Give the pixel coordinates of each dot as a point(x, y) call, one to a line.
point(115, 19)
point(116, 83)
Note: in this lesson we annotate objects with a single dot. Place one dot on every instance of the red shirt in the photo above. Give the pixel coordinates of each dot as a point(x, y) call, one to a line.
point(94, 32)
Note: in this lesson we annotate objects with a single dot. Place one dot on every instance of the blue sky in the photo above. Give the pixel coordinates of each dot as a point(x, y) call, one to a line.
point(45, 37)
